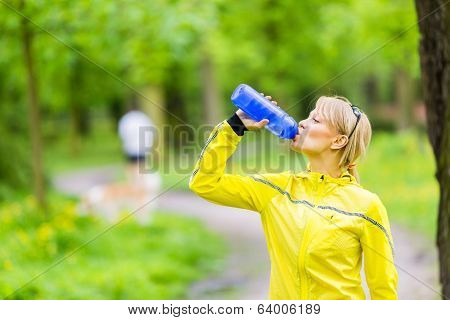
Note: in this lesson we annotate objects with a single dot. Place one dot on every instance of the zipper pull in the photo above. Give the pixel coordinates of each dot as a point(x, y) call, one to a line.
point(331, 219)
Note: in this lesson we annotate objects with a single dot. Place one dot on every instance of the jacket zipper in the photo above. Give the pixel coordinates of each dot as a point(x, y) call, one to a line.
point(304, 246)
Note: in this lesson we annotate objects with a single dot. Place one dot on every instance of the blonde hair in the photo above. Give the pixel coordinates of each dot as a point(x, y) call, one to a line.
point(338, 113)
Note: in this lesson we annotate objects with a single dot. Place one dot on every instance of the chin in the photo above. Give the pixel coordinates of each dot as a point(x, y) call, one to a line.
point(296, 146)
point(303, 149)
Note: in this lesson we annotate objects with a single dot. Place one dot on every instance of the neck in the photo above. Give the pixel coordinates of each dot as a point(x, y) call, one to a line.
point(325, 165)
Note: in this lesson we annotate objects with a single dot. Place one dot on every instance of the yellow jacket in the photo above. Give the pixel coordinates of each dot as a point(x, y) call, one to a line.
point(316, 226)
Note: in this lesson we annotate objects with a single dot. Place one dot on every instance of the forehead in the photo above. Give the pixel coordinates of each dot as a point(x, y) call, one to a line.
point(315, 113)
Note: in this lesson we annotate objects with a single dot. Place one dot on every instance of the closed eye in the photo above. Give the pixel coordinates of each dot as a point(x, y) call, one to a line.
point(315, 120)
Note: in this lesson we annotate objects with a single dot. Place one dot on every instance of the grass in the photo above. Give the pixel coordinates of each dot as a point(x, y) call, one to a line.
point(130, 261)
point(400, 169)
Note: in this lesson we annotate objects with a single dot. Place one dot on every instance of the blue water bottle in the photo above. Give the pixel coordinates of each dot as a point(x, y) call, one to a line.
point(258, 107)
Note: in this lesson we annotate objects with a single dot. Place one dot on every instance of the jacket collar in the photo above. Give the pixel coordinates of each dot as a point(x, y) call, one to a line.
point(344, 179)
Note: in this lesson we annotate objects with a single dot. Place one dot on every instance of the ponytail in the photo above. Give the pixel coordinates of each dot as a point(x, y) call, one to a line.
point(353, 171)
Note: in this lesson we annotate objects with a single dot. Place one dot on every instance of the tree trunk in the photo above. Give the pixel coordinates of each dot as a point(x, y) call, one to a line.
point(34, 114)
point(116, 111)
point(157, 114)
point(435, 65)
point(404, 96)
point(371, 91)
point(212, 110)
point(75, 106)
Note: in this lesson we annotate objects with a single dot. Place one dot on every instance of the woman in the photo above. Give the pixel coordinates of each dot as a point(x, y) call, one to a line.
point(318, 223)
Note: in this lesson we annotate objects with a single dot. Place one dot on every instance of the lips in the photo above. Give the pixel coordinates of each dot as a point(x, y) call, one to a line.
point(299, 137)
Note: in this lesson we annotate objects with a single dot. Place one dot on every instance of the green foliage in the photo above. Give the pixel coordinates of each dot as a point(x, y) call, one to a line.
point(130, 261)
point(101, 147)
point(306, 42)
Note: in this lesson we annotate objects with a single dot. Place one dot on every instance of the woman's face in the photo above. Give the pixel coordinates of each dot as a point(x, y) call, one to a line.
point(314, 135)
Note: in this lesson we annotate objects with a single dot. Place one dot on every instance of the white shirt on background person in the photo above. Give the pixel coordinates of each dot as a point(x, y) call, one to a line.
point(136, 141)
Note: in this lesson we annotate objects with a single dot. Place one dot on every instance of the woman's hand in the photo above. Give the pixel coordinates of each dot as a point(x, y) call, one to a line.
point(251, 124)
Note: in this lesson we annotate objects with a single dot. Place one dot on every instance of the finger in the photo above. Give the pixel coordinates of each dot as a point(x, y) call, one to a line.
point(274, 102)
point(269, 97)
point(262, 123)
point(261, 93)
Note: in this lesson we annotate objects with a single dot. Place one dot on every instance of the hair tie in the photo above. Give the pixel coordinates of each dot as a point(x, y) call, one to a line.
point(351, 166)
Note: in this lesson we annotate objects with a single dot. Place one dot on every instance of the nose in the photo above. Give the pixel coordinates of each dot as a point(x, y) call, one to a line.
point(301, 124)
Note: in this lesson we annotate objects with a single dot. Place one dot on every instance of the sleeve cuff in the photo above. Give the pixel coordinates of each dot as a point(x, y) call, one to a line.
point(236, 124)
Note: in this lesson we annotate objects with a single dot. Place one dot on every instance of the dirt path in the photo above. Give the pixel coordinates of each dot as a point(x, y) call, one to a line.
point(246, 275)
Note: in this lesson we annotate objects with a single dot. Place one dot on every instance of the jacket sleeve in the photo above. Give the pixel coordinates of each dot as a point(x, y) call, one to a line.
point(208, 180)
point(378, 248)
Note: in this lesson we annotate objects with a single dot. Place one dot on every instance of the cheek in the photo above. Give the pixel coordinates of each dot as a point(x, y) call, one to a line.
point(319, 133)
point(317, 139)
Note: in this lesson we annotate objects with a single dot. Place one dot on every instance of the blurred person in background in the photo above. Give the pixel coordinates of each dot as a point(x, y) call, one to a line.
point(136, 133)
point(112, 200)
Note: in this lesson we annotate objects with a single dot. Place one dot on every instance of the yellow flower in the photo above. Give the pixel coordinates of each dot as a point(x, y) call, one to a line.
point(23, 236)
point(70, 210)
point(6, 216)
point(7, 265)
point(44, 232)
point(65, 225)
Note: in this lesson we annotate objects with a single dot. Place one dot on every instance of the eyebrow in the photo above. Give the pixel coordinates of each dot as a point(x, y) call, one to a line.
point(313, 114)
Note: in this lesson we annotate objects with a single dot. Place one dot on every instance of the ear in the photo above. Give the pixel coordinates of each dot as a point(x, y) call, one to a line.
point(339, 142)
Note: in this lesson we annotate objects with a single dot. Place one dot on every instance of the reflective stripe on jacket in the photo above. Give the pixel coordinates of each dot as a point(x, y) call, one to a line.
point(317, 227)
